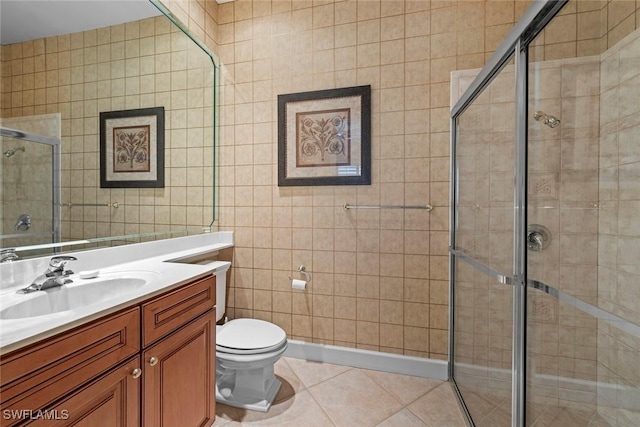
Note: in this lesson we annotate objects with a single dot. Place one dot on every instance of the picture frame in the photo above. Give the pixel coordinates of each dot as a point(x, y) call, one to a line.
point(324, 137)
point(132, 148)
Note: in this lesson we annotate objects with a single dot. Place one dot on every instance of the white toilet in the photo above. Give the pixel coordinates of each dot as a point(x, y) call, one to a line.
point(246, 350)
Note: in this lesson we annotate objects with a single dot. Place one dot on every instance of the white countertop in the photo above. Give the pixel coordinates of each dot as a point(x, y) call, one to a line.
point(17, 333)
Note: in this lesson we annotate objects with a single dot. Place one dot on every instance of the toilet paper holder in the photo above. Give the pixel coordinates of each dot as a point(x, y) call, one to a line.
point(303, 270)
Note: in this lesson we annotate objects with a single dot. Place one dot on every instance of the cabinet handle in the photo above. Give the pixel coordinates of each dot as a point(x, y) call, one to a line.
point(136, 373)
point(153, 361)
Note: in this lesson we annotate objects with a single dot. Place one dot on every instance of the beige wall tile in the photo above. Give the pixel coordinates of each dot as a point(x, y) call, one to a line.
point(367, 333)
point(497, 13)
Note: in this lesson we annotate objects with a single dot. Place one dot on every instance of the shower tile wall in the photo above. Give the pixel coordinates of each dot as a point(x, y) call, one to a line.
point(379, 277)
point(136, 65)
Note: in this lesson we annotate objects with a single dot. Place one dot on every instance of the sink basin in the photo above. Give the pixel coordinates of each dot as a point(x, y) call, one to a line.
point(72, 296)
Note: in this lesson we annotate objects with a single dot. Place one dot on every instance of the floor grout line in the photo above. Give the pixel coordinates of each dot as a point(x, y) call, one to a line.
point(322, 409)
point(308, 389)
point(389, 392)
point(324, 380)
point(404, 406)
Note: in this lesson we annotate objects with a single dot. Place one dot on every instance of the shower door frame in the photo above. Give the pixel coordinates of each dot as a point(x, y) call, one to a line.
point(515, 45)
point(55, 179)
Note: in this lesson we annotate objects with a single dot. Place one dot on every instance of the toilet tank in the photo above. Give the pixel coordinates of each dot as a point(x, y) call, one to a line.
point(221, 292)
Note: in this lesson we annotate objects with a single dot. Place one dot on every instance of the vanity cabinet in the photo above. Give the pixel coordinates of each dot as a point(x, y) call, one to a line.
point(36, 377)
point(150, 365)
point(179, 369)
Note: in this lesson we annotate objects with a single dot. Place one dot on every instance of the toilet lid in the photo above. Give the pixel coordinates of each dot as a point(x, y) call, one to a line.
point(241, 335)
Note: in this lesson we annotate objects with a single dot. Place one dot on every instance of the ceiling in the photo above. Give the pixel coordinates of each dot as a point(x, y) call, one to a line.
point(22, 20)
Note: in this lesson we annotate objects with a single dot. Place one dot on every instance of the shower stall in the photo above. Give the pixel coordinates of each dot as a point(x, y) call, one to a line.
point(30, 184)
point(545, 224)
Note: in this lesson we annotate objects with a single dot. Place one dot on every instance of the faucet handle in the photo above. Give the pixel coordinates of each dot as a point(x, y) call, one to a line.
point(8, 255)
point(58, 262)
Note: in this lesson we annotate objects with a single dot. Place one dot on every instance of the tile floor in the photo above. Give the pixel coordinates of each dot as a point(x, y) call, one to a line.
point(320, 394)
point(489, 409)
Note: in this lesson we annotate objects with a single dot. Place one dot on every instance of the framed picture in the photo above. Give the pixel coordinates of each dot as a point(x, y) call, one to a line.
point(324, 137)
point(132, 148)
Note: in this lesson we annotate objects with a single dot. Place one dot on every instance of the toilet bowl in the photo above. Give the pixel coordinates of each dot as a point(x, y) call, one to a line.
point(246, 351)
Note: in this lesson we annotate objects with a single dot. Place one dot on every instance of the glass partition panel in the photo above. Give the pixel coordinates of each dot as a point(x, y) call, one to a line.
point(485, 169)
point(483, 338)
point(583, 234)
point(483, 311)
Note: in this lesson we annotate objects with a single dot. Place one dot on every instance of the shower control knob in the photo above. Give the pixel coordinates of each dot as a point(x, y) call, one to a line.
point(538, 237)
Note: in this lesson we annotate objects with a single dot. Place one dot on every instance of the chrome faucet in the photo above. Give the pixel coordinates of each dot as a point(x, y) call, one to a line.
point(8, 255)
point(56, 275)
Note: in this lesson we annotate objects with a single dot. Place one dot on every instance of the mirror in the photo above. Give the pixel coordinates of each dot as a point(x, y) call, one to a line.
point(63, 63)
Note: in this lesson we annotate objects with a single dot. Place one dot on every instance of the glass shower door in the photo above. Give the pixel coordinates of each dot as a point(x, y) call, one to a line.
point(583, 325)
point(29, 190)
point(484, 221)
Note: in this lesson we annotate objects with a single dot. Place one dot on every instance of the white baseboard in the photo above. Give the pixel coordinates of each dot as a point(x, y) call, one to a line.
point(357, 358)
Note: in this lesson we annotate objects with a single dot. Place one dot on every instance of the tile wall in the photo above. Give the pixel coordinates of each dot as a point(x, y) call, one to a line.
point(379, 277)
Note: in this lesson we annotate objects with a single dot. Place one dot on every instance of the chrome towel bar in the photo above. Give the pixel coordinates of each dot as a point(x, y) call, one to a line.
point(109, 205)
point(347, 206)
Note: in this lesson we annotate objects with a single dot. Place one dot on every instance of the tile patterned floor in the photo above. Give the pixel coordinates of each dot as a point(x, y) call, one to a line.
point(320, 394)
point(492, 410)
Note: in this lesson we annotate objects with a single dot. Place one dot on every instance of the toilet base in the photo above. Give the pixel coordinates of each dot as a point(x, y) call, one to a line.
point(247, 380)
point(262, 405)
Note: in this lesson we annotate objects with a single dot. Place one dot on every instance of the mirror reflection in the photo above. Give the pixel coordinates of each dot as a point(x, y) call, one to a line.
point(57, 76)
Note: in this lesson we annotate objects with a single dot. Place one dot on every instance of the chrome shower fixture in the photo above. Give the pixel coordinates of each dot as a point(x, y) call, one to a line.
point(11, 152)
point(23, 223)
point(538, 237)
point(547, 119)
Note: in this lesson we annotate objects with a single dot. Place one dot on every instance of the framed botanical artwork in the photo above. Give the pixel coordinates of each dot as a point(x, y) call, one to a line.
point(324, 137)
point(132, 148)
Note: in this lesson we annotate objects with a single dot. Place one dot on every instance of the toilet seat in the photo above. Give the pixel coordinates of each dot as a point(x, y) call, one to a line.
point(249, 336)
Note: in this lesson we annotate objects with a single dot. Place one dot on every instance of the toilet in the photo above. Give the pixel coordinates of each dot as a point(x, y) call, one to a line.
point(246, 351)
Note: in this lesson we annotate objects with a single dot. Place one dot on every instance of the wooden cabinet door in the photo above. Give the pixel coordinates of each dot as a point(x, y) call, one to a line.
point(35, 377)
point(111, 401)
point(179, 377)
